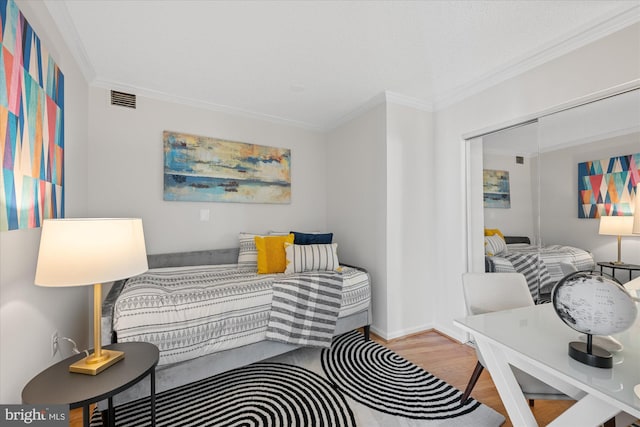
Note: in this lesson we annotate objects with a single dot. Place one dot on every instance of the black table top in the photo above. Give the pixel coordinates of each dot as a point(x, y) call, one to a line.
point(56, 385)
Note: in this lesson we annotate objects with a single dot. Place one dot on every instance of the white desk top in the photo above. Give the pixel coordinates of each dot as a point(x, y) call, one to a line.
point(538, 336)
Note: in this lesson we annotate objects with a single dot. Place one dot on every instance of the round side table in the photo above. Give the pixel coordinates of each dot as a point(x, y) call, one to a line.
point(56, 385)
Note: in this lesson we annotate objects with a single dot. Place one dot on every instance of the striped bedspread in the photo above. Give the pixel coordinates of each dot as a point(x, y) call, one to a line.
point(533, 269)
point(305, 308)
point(193, 311)
point(543, 265)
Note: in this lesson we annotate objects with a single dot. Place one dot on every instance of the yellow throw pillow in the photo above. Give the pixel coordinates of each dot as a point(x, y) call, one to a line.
point(271, 254)
point(493, 232)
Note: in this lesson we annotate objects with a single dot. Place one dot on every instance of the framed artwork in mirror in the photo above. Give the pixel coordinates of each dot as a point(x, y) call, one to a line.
point(495, 189)
point(606, 187)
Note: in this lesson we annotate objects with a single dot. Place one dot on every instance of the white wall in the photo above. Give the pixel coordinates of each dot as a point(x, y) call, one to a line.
point(559, 200)
point(608, 62)
point(518, 220)
point(411, 203)
point(126, 174)
point(357, 199)
point(30, 314)
point(380, 185)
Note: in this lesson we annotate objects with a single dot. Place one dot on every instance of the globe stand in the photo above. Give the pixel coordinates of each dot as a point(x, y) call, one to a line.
point(590, 354)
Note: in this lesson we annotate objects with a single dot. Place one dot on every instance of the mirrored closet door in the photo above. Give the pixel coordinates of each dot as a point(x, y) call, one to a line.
point(523, 183)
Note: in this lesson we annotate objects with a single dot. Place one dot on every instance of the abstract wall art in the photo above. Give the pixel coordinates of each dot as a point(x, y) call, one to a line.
point(204, 169)
point(31, 126)
point(607, 187)
point(495, 186)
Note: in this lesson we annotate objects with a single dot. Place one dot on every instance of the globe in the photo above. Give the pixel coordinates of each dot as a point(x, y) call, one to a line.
point(593, 304)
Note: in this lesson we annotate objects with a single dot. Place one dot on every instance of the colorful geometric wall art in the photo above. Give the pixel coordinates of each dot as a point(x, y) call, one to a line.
point(607, 187)
point(496, 190)
point(31, 126)
point(203, 169)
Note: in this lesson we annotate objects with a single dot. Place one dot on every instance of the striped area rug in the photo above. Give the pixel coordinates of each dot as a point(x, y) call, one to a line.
point(355, 382)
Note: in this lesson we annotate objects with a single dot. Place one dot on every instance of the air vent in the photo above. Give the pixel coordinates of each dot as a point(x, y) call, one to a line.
point(123, 99)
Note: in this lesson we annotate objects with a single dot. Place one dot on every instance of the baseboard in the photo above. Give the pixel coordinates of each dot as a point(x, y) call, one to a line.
point(453, 334)
point(387, 336)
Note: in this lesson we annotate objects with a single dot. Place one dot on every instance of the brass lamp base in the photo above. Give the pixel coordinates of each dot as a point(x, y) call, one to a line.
point(91, 365)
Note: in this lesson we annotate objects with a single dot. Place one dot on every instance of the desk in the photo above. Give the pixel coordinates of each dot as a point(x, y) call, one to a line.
point(56, 385)
point(629, 267)
point(535, 340)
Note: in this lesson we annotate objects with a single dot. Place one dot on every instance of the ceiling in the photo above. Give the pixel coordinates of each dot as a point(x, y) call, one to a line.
point(313, 63)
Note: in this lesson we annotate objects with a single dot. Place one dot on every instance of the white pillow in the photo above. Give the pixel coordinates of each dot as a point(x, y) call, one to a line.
point(494, 245)
point(301, 258)
point(248, 255)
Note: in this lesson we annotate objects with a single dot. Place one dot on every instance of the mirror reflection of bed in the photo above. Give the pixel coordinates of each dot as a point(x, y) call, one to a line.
point(542, 266)
point(541, 157)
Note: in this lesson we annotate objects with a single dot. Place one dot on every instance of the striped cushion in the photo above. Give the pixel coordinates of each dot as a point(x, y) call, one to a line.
point(302, 258)
point(248, 255)
point(494, 245)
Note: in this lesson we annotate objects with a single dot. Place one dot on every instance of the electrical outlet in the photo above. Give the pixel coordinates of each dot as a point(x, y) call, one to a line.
point(54, 343)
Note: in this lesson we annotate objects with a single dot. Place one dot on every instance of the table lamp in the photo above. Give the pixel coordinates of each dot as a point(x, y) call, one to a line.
point(91, 251)
point(616, 226)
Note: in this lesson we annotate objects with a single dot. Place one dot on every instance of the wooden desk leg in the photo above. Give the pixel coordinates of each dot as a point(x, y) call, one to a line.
point(153, 397)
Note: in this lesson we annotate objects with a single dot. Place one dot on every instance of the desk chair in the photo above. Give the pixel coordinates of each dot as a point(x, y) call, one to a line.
point(489, 292)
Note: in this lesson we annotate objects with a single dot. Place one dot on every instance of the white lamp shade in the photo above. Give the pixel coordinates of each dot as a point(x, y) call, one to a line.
point(616, 225)
point(76, 252)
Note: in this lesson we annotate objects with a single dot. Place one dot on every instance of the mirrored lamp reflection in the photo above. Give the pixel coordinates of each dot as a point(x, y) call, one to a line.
point(616, 226)
point(91, 251)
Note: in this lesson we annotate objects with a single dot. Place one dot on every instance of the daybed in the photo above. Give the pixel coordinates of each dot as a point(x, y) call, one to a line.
point(176, 369)
point(543, 266)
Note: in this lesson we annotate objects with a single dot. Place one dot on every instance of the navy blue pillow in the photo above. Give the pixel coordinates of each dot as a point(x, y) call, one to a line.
point(311, 238)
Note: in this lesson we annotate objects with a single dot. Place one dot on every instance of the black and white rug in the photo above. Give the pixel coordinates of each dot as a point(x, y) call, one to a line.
point(356, 382)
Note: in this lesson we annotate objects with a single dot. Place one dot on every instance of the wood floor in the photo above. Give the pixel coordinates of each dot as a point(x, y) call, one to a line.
point(453, 362)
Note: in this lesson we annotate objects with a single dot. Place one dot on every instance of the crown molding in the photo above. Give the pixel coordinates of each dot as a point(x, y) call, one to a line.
point(588, 33)
point(363, 108)
point(408, 101)
point(387, 97)
point(190, 102)
point(60, 14)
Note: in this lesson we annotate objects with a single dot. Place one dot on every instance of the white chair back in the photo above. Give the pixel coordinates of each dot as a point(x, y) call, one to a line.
point(489, 292)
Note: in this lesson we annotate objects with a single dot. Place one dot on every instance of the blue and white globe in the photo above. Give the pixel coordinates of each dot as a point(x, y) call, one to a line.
point(593, 304)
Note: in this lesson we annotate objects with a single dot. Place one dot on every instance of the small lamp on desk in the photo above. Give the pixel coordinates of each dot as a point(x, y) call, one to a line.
point(91, 251)
point(616, 226)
